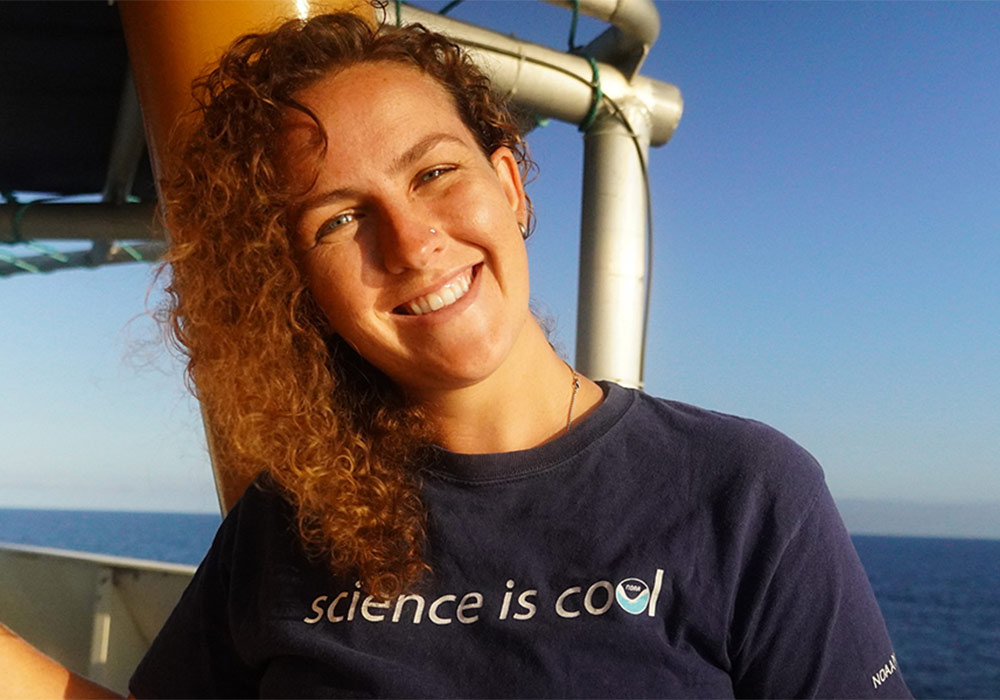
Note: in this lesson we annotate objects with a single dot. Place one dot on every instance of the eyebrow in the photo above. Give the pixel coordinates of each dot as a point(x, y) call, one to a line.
point(401, 162)
point(417, 150)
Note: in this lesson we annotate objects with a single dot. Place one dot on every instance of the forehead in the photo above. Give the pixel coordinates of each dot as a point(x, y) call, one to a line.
point(370, 110)
point(366, 99)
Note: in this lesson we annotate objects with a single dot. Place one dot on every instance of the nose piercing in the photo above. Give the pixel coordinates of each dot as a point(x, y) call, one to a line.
point(433, 232)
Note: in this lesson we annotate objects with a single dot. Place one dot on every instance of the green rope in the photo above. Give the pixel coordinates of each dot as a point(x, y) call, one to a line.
point(15, 222)
point(15, 229)
point(598, 96)
point(595, 82)
point(135, 254)
point(17, 262)
point(15, 232)
point(572, 26)
point(47, 251)
point(448, 8)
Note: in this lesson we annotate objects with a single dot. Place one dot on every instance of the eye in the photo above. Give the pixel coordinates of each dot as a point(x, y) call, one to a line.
point(435, 172)
point(332, 224)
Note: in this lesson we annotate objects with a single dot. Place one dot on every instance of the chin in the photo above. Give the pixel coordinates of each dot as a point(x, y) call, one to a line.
point(455, 373)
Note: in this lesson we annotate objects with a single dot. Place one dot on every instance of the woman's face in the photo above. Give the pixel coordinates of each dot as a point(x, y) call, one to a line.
point(409, 237)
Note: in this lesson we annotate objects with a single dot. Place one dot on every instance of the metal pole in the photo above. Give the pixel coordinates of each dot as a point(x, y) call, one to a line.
point(549, 83)
point(611, 297)
point(93, 221)
point(624, 45)
point(149, 251)
point(637, 20)
point(127, 147)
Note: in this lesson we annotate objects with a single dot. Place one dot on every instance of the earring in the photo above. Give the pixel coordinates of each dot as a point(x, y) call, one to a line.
point(523, 229)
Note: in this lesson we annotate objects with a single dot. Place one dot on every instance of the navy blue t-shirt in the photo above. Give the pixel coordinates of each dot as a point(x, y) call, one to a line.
point(656, 550)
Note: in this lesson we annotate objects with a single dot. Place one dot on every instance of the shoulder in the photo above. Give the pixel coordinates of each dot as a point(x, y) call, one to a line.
point(730, 446)
point(744, 469)
point(209, 644)
point(261, 506)
point(261, 526)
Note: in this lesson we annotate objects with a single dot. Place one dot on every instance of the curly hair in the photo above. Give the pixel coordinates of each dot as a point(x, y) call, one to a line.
point(281, 396)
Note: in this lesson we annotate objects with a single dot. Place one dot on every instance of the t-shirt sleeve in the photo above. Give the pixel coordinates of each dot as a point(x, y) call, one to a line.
point(194, 654)
point(814, 628)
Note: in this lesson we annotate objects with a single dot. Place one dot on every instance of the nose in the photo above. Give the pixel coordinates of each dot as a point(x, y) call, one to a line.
point(408, 242)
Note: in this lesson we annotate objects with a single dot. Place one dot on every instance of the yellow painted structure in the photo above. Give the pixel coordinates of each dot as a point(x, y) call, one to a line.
point(170, 43)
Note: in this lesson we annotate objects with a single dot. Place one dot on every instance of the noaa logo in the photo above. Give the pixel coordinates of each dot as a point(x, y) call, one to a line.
point(632, 595)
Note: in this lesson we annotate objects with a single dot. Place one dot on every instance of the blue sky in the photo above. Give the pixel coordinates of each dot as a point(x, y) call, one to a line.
point(827, 241)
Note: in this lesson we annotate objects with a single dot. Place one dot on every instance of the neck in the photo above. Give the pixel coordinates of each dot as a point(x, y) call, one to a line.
point(524, 403)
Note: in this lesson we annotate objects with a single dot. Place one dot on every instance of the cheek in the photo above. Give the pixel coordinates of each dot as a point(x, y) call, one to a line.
point(512, 260)
point(493, 227)
point(327, 286)
point(492, 210)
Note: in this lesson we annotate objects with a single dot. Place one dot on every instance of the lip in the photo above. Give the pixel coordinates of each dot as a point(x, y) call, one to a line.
point(474, 272)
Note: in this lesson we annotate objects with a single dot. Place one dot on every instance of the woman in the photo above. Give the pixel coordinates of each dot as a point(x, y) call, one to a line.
point(443, 506)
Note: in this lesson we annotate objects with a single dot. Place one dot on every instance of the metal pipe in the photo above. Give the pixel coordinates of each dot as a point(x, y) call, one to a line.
point(638, 20)
point(96, 222)
point(149, 251)
point(552, 84)
point(611, 296)
point(127, 148)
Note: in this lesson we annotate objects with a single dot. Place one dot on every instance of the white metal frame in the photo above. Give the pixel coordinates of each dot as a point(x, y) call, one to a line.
point(636, 112)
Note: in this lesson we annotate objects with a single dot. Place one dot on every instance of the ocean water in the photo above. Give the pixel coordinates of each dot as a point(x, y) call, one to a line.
point(182, 538)
point(941, 602)
point(940, 597)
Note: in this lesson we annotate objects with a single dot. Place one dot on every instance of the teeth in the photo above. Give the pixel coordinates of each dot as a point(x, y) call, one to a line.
point(446, 296)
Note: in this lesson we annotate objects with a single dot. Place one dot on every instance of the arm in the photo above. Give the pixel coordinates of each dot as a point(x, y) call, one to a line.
point(816, 630)
point(28, 673)
point(197, 654)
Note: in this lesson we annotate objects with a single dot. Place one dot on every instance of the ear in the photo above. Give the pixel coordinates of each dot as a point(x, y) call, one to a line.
point(505, 166)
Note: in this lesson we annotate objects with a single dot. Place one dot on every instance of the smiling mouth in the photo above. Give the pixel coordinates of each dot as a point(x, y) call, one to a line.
point(444, 297)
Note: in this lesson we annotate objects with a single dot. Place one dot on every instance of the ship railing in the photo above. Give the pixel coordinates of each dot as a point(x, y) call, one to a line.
point(96, 614)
